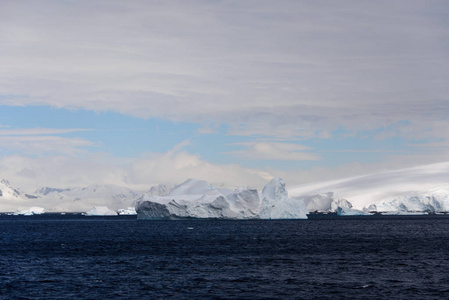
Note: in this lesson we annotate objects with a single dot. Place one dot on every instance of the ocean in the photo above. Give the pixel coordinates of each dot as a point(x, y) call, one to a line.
point(79, 257)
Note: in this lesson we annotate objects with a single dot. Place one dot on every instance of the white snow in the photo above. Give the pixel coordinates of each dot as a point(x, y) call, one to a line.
point(420, 189)
point(83, 198)
point(127, 211)
point(197, 199)
point(432, 201)
point(100, 211)
point(7, 192)
point(193, 187)
point(160, 190)
point(351, 212)
point(35, 210)
point(277, 205)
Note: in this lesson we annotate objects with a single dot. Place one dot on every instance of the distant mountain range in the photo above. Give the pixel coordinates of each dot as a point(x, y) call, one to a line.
point(424, 188)
point(78, 199)
point(420, 189)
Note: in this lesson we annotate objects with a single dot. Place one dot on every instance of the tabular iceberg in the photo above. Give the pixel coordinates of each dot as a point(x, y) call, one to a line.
point(101, 211)
point(197, 199)
point(35, 210)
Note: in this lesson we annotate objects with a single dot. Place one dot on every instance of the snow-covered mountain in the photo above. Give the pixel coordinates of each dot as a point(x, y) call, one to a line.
point(10, 198)
point(78, 199)
point(197, 199)
point(160, 190)
point(419, 189)
point(84, 198)
point(7, 192)
point(413, 190)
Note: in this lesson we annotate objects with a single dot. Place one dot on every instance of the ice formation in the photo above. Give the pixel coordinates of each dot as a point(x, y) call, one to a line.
point(431, 201)
point(101, 211)
point(419, 190)
point(277, 205)
point(197, 199)
point(422, 190)
point(35, 210)
point(127, 211)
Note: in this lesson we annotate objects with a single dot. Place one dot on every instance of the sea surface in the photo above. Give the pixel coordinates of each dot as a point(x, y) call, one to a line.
point(78, 257)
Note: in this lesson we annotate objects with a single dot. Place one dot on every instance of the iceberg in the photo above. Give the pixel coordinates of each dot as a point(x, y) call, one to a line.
point(277, 205)
point(344, 208)
point(100, 211)
point(352, 212)
point(127, 211)
point(319, 202)
point(197, 199)
point(35, 210)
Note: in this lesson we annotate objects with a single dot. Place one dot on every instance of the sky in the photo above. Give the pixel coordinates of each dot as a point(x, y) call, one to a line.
point(137, 93)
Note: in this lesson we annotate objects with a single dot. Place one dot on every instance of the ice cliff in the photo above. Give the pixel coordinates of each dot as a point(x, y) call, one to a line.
point(35, 210)
point(276, 204)
point(197, 199)
point(100, 211)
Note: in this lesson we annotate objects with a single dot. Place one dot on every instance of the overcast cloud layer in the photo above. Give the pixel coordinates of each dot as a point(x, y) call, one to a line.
point(280, 71)
point(295, 68)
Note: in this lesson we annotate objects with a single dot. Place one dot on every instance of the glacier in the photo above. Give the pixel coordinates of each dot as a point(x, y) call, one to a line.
point(418, 190)
point(197, 199)
point(432, 201)
point(75, 199)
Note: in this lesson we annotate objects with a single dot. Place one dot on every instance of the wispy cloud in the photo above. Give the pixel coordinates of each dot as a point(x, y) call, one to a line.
point(274, 151)
point(38, 131)
point(38, 145)
point(289, 68)
point(283, 72)
point(42, 141)
point(140, 173)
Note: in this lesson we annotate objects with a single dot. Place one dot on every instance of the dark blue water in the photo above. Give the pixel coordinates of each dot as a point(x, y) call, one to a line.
point(75, 257)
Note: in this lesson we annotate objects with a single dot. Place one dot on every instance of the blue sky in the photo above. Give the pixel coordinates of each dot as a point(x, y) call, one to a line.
point(127, 137)
point(234, 92)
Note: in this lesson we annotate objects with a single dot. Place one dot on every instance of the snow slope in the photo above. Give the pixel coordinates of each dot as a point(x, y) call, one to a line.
point(424, 188)
point(11, 199)
point(420, 189)
point(160, 190)
point(75, 199)
point(83, 198)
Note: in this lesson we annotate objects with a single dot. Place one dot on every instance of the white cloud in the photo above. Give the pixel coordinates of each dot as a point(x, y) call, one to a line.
point(176, 167)
point(37, 131)
point(273, 70)
point(42, 141)
point(141, 173)
point(290, 68)
point(274, 151)
point(59, 171)
point(39, 145)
